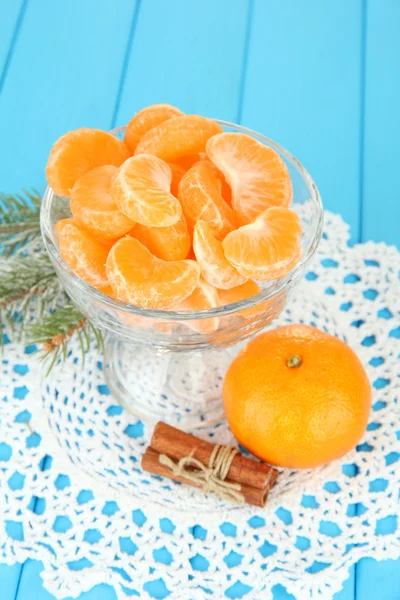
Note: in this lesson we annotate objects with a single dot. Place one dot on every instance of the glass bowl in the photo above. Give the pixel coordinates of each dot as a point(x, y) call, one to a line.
point(169, 365)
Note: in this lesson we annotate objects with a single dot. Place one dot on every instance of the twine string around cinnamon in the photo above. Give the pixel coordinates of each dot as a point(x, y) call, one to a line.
point(212, 476)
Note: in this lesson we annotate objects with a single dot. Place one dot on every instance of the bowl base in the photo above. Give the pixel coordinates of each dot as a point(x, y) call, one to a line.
point(181, 388)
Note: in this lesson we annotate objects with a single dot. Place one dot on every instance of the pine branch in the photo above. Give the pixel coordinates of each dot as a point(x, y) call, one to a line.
point(24, 281)
point(55, 331)
point(19, 221)
point(29, 286)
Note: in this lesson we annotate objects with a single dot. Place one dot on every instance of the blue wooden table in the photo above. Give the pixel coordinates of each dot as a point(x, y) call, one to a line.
point(320, 77)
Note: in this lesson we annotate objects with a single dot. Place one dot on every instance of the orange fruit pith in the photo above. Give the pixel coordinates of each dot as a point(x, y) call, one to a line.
point(200, 194)
point(177, 174)
point(177, 137)
point(204, 297)
point(80, 151)
point(146, 119)
point(297, 417)
point(86, 256)
point(92, 204)
point(141, 190)
point(168, 243)
point(140, 278)
point(216, 270)
point(256, 174)
point(268, 248)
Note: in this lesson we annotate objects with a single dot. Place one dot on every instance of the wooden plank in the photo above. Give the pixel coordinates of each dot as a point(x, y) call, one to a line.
point(70, 80)
point(378, 579)
point(11, 16)
point(9, 577)
point(381, 207)
point(303, 89)
point(189, 54)
point(381, 197)
point(65, 73)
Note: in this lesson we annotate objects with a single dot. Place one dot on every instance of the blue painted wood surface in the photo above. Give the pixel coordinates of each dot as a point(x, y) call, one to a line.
point(322, 78)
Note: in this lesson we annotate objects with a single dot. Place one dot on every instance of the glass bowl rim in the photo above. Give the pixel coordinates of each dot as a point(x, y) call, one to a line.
point(173, 315)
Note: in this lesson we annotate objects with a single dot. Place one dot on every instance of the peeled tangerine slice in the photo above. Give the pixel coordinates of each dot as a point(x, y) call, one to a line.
point(204, 297)
point(177, 174)
point(78, 152)
point(141, 190)
point(146, 119)
point(216, 270)
point(271, 307)
point(201, 198)
point(168, 243)
point(268, 248)
point(85, 255)
point(93, 206)
point(140, 278)
point(178, 137)
point(256, 174)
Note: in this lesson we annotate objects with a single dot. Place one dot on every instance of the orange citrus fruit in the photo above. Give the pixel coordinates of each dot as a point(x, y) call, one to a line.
point(256, 174)
point(297, 397)
point(241, 292)
point(200, 195)
point(204, 297)
point(140, 278)
point(225, 189)
point(188, 161)
point(268, 248)
point(146, 119)
point(168, 243)
point(85, 255)
point(78, 152)
point(177, 174)
point(92, 204)
point(216, 270)
point(141, 190)
point(177, 137)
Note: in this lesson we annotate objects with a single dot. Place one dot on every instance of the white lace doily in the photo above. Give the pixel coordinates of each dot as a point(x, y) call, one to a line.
point(73, 495)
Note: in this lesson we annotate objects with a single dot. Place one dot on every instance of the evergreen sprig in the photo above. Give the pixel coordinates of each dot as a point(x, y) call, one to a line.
point(32, 299)
point(56, 329)
point(19, 221)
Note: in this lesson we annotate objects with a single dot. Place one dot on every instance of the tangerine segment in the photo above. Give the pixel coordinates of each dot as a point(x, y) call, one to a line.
point(78, 152)
point(225, 188)
point(140, 189)
point(216, 270)
point(204, 297)
point(268, 309)
point(177, 137)
point(140, 278)
point(241, 292)
point(168, 243)
point(92, 204)
point(177, 174)
point(256, 174)
point(200, 195)
point(146, 119)
point(86, 256)
point(186, 162)
point(268, 248)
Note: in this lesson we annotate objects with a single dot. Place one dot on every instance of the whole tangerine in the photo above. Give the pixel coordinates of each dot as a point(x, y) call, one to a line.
point(297, 397)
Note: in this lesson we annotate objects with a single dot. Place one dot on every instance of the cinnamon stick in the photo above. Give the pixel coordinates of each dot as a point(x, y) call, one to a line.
point(178, 444)
point(252, 495)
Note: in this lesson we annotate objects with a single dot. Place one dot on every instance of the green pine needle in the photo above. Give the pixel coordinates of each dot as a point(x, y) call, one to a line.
point(32, 298)
point(19, 221)
point(56, 329)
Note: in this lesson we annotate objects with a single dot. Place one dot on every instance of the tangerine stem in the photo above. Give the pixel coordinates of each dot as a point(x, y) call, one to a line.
point(294, 361)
